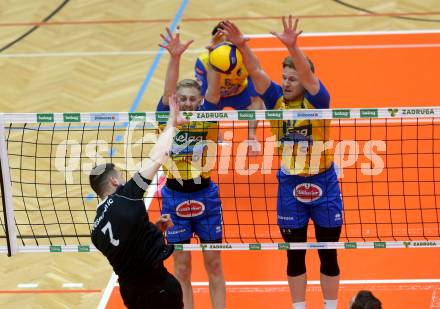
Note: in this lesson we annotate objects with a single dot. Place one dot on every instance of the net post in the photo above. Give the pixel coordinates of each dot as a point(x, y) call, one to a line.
point(6, 190)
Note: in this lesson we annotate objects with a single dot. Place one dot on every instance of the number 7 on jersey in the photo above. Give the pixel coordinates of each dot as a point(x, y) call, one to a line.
point(108, 226)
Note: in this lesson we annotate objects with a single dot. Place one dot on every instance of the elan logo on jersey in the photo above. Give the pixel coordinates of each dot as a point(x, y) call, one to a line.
point(307, 192)
point(189, 209)
point(298, 134)
point(190, 138)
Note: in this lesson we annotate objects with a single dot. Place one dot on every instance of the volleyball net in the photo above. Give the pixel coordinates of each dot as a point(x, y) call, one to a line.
point(387, 161)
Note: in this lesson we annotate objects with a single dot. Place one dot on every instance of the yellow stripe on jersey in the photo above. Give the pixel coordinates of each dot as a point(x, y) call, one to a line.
point(230, 84)
point(194, 150)
point(302, 142)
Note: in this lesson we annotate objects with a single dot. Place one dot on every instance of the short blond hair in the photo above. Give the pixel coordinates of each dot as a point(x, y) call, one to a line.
point(188, 83)
point(288, 62)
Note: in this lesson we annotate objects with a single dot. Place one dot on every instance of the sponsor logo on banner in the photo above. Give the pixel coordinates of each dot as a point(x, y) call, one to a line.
point(72, 117)
point(316, 246)
point(104, 117)
point(408, 244)
point(284, 246)
point(307, 192)
point(191, 208)
point(418, 111)
point(254, 246)
point(246, 115)
point(136, 117)
point(187, 115)
point(393, 111)
point(83, 249)
point(369, 113)
point(55, 249)
point(380, 244)
point(162, 116)
point(47, 117)
point(307, 115)
point(219, 246)
point(350, 245)
point(178, 247)
point(341, 113)
point(211, 115)
point(274, 115)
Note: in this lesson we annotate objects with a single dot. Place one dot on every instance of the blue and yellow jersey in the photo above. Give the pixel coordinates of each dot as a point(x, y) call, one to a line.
point(301, 140)
point(230, 84)
point(192, 147)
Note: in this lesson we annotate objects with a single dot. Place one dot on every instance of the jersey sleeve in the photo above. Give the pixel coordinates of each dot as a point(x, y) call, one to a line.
point(271, 95)
point(201, 75)
point(321, 99)
point(162, 107)
point(251, 88)
point(208, 106)
point(134, 188)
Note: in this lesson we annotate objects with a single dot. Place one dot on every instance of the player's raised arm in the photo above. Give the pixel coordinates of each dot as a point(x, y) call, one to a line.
point(160, 152)
point(213, 92)
point(259, 77)
point(289, 37)
point(175, 48)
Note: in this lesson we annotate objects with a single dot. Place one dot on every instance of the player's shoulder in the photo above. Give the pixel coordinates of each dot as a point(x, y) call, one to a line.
point(319, 100)
point(203, 58)
point(279, 104)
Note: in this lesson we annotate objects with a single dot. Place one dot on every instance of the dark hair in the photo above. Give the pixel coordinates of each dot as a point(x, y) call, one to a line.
point(99, 177)
point(217, 28)
point(288, 62)
point(188, 83)
point(366, 300)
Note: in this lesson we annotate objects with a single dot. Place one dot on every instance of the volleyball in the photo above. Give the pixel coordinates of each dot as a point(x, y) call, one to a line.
point(225, 57)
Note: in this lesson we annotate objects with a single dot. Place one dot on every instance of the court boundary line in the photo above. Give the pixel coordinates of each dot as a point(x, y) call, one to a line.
point(108, 291)
point(66, 291)
point(200, 50)
point(317, 282)
point(350, 33)
point(160, 52)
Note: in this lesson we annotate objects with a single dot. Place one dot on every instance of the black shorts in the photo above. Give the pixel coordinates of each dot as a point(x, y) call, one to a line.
point(165, 293)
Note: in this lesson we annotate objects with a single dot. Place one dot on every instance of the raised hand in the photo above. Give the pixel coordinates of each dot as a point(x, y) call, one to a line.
point(215, 40)
point(290, 35)
point(164, 222)
point(232, 33)
point(175, 118)
point(173, 44)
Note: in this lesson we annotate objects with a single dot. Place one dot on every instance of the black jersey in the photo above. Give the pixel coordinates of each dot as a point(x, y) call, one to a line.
point(123, 233)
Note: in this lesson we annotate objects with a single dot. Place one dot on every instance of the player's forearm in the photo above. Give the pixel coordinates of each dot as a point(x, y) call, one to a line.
point(259, 77)
point(171, 78)
point(302, 66)
point(213, 92)
point(160, 152)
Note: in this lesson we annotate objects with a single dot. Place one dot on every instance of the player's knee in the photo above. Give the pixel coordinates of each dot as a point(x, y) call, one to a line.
point(213, 264)
point(329, 262)
point(182, 266)
point(296, 262)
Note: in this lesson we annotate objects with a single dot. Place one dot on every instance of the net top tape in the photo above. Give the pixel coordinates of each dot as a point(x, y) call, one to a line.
point(306, 114)
point(253, 246)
